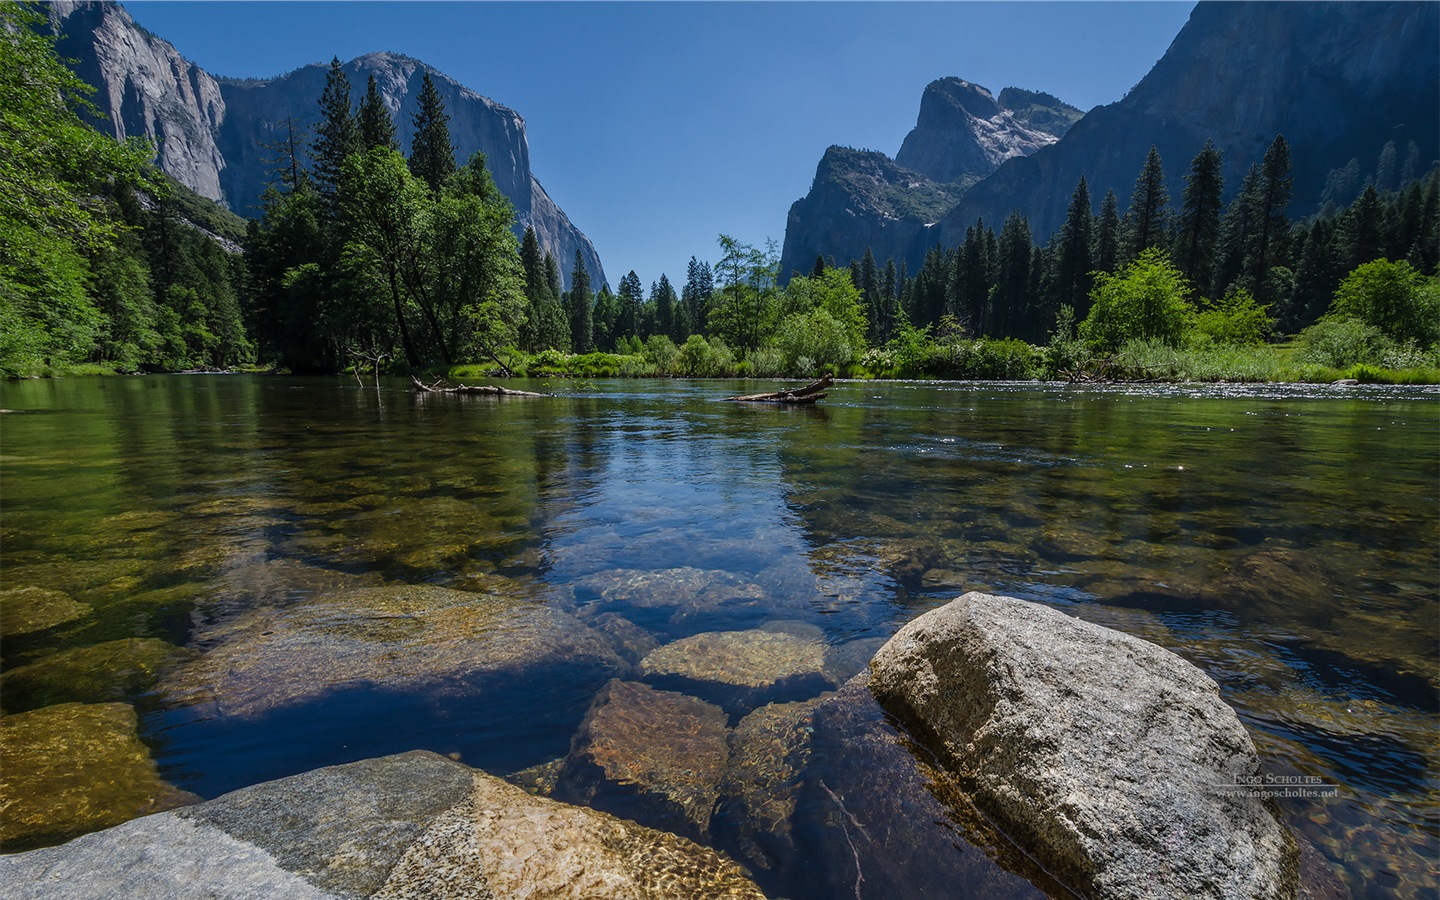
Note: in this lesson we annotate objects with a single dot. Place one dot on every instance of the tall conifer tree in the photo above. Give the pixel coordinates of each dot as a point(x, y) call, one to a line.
point(1072, 282)
point(432, 156)
point(1011, 300)
point(578, 303)
point(1199, 225)
point(337, 136)
point(377, 128)
point(1271, 222)
point(1106, 255)
point(1147, 215)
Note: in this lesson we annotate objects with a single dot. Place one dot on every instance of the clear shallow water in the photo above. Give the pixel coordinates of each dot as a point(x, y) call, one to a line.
point(1283, 539)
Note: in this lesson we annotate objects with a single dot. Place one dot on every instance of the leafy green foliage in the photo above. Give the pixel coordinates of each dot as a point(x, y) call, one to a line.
point(1236, 320)
point(1394, 298)
point(811, 343)
point(1146, 299)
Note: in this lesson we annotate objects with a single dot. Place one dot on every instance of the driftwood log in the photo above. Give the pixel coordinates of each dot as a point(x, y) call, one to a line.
point(811, 393)
point(492, 390)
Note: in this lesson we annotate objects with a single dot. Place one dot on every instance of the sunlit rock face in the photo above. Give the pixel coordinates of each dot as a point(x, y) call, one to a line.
point(1105, 756)
point(217, 136)
point(415, 825)
point(962, 131)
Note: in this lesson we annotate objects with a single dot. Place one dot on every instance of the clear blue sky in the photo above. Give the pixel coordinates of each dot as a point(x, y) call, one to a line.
point(657, 126)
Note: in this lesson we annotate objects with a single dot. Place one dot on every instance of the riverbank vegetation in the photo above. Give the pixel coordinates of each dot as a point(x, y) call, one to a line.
point(366, 260)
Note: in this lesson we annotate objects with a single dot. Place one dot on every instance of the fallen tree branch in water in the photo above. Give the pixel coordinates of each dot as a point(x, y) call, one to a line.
point(811, 393)
point(490, 389)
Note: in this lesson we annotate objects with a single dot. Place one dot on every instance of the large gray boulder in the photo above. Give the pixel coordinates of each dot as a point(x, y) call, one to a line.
point(407, 826)
point(1105, 756)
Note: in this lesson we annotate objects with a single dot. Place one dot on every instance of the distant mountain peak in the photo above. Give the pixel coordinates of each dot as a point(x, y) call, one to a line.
point(963, 132)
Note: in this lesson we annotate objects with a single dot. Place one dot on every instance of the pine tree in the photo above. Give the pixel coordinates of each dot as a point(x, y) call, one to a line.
point(432, 156)
point(631, 298)
point(376, 127)
point(819, 268)
point(1271, 222)
point(1011, 299)
point(1315, 277)
point(1237, 229)
point(1106, 255)
point(1147, 214)
point(1199, 226)
point(889, 303)
point(578, 303)
point(929, 293)
point(869, 285)
point(1385, 168)
point(697, 293)
point(1361, 236)
point(337, 136)
point(603, 317)
point(664, 301)
point(552, 276)
point(537, 290)
point(1072, 280)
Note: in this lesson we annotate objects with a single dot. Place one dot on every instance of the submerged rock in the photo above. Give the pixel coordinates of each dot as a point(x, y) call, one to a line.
point(72, 768)
point(95, 674)
point(394, 636)
point(415, 825)
point(769, 750)
point(740, 666)
point(653, 756)
point(1103, 755)
point(874, 819)
point(683, 596)
point(30, 609)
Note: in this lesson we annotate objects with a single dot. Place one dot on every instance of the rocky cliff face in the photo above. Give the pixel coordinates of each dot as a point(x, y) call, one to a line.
point(863, 199)
point(860, 199)
point(962, 131)
point(1337, 79)
point(147, 89)
point(211, 133)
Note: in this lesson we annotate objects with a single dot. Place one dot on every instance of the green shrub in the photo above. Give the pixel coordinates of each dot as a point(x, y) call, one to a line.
point(1394, 298)
point(813, 341)
point(1342, 341)
point(1236, 320)
point(1144, 300)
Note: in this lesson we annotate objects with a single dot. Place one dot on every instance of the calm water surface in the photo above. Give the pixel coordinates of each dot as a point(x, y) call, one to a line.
point(1284, 539)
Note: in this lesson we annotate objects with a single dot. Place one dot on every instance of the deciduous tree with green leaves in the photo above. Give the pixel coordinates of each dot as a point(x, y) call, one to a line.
point(1146, 299)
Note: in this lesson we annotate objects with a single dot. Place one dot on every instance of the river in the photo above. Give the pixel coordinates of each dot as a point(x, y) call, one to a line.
point(1285, 539)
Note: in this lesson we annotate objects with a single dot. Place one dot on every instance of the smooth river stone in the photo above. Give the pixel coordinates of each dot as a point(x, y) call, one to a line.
point(72, 768)
point(399, 636)
point(414, 826)
point(1103, 755)
point(769, 751)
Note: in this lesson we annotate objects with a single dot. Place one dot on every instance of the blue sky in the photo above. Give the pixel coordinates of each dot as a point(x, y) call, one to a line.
point(657, 126)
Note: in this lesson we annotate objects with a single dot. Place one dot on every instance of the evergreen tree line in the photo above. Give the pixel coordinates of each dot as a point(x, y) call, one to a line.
point(366, 259)
point(1008, 285)
point(101, 260)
